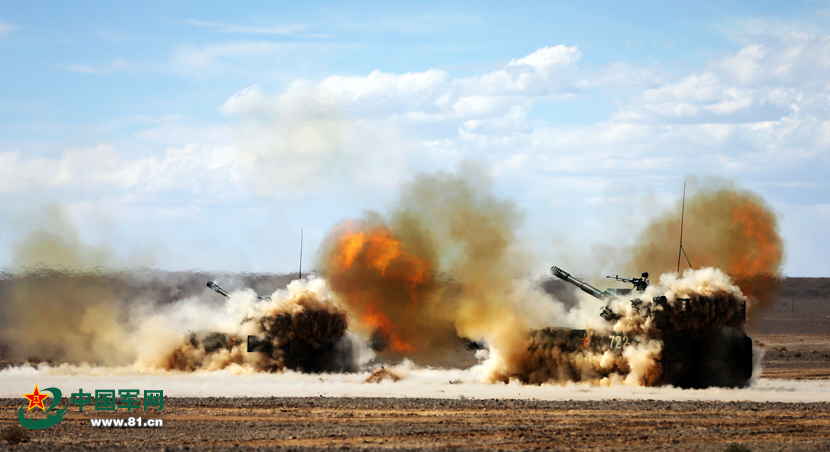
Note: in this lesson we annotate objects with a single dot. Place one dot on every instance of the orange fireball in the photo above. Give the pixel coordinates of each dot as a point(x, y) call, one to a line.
point(379, 279)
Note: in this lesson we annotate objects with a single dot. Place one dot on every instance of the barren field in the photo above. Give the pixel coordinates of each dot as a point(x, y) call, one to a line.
point(338, 423)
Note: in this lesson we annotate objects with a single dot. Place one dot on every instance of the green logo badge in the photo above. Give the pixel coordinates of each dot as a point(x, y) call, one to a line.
point(36, 400)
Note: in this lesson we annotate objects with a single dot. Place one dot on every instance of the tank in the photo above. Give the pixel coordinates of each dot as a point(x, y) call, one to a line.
point(700, 349)
point(311, 342)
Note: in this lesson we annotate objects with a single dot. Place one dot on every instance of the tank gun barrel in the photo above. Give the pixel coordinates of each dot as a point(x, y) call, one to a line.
point(585, 287)
point(217, 289)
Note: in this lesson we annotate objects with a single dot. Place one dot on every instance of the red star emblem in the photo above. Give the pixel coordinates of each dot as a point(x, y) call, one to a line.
point(36, 399)
point(585, 340)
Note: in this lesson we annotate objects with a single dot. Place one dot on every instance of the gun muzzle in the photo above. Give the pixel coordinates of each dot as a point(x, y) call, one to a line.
point(585, 287)
point(217, 289)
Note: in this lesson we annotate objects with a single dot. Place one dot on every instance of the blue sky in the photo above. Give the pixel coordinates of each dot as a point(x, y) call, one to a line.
point(194, 135)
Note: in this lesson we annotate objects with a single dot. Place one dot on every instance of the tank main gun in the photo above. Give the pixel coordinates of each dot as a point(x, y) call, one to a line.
point(585, 287)
point(224, 293)
point(217, 289)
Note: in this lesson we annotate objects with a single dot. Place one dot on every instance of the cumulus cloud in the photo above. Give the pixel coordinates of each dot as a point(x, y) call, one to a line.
point(758, 112)
point(545, 72)
point(795, 59)
point(100, 169)
point(759, 108)
point(769, 81)
point(370, 130)
point(703, 98)
point(749, 111)
point(303, 140)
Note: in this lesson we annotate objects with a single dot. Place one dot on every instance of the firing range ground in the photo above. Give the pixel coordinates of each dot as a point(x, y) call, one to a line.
point(316, 423)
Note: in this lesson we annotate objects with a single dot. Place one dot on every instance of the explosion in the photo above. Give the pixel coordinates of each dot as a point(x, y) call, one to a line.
point(382, 282)
point(726, 228)
point(441, 274)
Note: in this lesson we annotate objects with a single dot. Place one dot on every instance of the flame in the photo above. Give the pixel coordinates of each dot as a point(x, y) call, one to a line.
point(382, 282)
point(756, 271)
point(764, 252)
point(727, 228)
point(380, 321)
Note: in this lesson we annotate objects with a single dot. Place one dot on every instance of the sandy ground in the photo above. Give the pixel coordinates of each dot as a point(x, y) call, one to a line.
point(370, 423)
point(797, 357)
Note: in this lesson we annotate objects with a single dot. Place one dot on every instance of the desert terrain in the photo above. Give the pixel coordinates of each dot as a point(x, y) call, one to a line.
point(794, 336)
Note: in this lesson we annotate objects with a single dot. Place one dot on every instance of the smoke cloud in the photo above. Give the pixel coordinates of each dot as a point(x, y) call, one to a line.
point(440, 267)
point(48, 317)
point(725, 227)
point(440, 275)
point(65, 301)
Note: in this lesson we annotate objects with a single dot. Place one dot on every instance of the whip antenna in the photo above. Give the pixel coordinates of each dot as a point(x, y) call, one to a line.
point(682, 251)
point(301, 255)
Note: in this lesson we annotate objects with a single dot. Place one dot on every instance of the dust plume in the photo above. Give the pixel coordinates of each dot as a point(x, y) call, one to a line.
point(66, 302)
point(445, 263)
point(46, 316)
point(725, 227)
point(440, 279)
point(441, 266)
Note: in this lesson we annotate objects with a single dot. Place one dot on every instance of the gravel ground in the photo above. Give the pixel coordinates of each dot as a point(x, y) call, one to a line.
point(408, 424)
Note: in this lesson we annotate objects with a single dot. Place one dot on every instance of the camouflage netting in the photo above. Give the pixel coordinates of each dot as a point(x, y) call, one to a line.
point(697, 315)
point(301, 328)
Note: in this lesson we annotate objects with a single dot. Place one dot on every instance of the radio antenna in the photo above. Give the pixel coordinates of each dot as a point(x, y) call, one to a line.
point(681, 251)
point(301, 255)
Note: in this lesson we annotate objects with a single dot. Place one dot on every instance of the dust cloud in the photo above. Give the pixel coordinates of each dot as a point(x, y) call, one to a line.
point(441, 279)
point(74, 319)
point(725, 227)
point(65, 301)
point(442, 266)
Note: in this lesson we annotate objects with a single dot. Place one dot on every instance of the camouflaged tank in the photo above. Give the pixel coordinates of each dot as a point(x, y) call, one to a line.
point(703, 339)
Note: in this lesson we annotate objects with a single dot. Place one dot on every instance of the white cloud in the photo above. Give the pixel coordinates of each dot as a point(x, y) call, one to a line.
point(786, 77)
point(98, 170)
point(795, 59)
point(304, 140)
point(703, 98)
point(548, 71)
point(759, 113)
point(547, 58)
point(319, 134)
point(194, 58)
point(116, 65)
point(411, 90)
point(278, 29)
point(363, 130)
point(371, 130)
